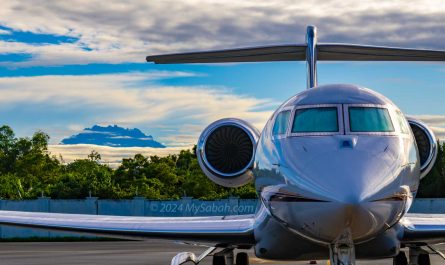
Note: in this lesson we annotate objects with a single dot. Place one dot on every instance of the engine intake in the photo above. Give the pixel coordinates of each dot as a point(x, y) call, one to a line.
point(226, 150)
point(426, 144)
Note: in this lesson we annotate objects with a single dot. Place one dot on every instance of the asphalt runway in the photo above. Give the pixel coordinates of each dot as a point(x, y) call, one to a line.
point(122, 253)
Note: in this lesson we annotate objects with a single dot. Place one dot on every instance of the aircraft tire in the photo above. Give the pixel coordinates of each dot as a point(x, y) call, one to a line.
point(219, 260)
point(424, 259)
point(242, 259)
point(400, 259)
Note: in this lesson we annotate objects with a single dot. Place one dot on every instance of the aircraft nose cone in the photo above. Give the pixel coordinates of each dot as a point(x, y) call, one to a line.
point(328, 222)
point(343, 189)
point(356, 217)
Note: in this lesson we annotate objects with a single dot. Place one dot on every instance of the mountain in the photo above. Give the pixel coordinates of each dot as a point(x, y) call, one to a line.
point(114, 136)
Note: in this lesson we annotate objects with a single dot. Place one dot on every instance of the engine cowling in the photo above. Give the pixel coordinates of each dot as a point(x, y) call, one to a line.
point(226, 151)
point(426, 144)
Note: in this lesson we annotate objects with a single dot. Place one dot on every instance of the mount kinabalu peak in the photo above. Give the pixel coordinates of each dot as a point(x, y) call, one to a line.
point(114, 136)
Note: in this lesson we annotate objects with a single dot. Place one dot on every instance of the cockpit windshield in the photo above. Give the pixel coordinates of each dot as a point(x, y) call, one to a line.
point(370, 119)
point(314, 120)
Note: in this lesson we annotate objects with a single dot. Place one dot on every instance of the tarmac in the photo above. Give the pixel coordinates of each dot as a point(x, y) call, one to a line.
point(122, 253)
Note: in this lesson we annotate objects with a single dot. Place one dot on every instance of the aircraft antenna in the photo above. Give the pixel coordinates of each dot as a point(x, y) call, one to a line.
point(311, 56)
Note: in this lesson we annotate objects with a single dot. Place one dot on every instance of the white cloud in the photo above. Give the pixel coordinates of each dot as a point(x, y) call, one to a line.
point(4, 32)
point(109, 155)
point(432, 120)
point(174, 115)
point(439, 132)
point(127, 31)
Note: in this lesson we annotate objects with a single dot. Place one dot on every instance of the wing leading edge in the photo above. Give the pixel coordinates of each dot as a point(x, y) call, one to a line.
point(423, 228)
point(218, 230)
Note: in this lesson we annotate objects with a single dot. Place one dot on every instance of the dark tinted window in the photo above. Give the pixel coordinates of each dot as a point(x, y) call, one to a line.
point(367, 119)
point(313, 120)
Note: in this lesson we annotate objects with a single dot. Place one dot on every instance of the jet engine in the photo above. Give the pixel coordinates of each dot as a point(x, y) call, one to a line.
point(226, 151)
point(426, 144)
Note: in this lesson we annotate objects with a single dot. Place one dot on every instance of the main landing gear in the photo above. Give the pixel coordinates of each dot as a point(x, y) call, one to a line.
point(417, 256)
point(400, 259)
point(223, 257)
point(241, 259)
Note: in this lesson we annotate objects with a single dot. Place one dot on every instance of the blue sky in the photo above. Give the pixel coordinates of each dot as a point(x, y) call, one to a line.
point(63, 69)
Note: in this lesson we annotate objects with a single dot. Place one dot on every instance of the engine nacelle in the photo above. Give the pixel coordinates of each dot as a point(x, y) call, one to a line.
point(226, 151)
point(426, 144)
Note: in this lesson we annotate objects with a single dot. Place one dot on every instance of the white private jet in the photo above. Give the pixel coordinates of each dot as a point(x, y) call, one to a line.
point(336, 168)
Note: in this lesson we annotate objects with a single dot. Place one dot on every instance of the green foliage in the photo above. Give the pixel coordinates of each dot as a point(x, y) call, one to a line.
point(11, 187)
point(433, 184)
point(27, 170)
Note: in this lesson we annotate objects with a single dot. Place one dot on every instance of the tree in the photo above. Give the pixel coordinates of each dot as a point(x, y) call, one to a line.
point(7, 142)
point(86, 176)
point(94, 156)
point(11, 187)
point(433, 184)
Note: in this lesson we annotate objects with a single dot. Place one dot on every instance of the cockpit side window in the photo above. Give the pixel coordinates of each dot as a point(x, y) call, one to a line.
point(401, 120)
point(370, 119)
point(315, 120)
point(281, 123)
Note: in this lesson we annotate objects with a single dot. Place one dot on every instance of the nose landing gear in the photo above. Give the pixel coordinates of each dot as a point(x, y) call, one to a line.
point(343, 251)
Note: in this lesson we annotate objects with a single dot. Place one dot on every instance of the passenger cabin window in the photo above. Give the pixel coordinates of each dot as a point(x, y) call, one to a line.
point(401, 120)
point(369, 119)
point(313, 120)
point(281, 123)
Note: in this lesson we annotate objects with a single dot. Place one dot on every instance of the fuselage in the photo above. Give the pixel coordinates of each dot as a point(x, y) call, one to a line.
point(337, 162)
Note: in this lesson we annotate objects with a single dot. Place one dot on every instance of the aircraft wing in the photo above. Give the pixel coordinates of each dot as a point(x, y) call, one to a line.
point(423, 228)
point(353, 52)
point(324, 52)
point(253, 54)
point(216, 230)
